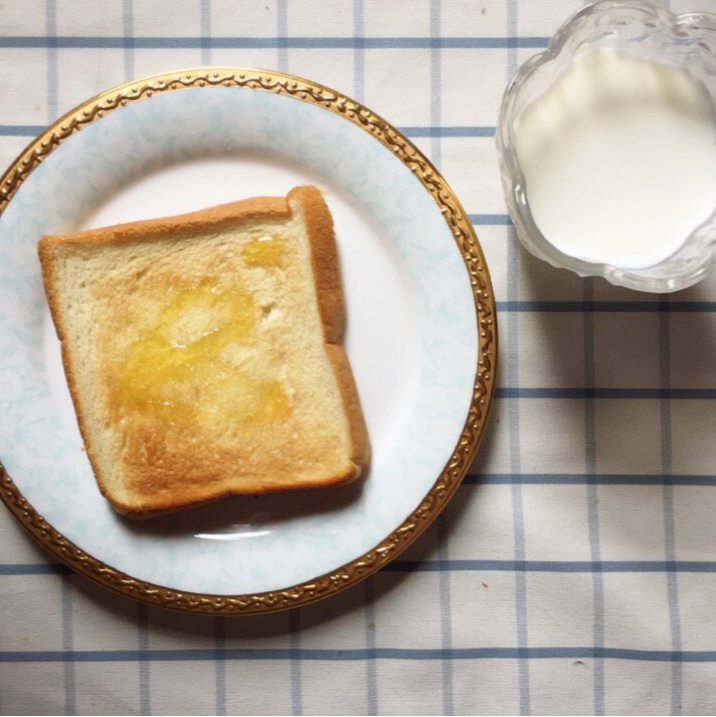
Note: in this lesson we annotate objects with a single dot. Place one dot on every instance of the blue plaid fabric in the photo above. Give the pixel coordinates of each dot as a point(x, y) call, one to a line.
point(575, 570)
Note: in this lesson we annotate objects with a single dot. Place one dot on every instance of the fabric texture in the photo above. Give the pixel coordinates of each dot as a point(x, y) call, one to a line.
point(574, 572)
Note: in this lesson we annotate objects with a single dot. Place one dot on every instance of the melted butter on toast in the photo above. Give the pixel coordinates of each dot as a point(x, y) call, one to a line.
point(192, 363)
point(265, 251)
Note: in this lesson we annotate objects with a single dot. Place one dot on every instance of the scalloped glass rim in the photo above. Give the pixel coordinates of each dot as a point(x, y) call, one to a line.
point(644, 28)
point(422, 227)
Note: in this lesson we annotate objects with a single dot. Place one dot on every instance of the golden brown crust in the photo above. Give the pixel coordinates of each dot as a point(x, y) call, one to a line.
point(324, 261)
point(46, 250)
point(151, 460)
point(360, 453)
point(331, 306)
point(174, 227)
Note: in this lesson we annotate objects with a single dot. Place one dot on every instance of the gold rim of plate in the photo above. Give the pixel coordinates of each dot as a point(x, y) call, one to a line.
point(483, 388)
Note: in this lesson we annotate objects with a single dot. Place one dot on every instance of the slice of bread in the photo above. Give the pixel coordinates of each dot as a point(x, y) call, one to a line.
point(204, 353)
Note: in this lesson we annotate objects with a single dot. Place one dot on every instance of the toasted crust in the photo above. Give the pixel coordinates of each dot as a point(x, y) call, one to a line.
point(146, 464)
point(331, 305)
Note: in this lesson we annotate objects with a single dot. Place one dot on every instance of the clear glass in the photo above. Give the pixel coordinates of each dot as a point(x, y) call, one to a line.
point(643, 28)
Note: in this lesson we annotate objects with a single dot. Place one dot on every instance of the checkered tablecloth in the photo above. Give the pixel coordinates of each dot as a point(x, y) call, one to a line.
point(574, 572)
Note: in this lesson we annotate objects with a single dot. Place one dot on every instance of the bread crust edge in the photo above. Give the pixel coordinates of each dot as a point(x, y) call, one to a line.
point(325, 263)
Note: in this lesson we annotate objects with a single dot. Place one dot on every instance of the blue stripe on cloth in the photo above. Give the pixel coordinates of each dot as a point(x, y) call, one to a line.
point(205, 25)
point(607, 306)
point(220, 665)
point(690, 394)
point(51, 45)
point(360, 654)
point(438, 131)
point(444, 588)
point(9, 130)
point(129, 40)
point(282, 32)
point(359, 54)
point(497, 220)
point(34, 569)
point(20, 130)
point(68, 645)
point(443, 531)
point(282, 42)
point(144, 657)
point(583, 478)
point(518, 527)
point(672, 586)
point(598, 619)
point(556, 566)
point(435, 83)
point(371, 672)
point(294, 623)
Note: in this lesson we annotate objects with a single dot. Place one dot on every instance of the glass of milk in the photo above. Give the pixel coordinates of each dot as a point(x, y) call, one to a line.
point(607, 144)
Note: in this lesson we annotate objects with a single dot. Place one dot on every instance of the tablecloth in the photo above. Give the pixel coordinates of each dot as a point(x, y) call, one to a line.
point(574, 571)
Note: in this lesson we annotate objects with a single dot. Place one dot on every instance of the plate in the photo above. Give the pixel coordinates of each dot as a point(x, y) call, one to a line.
point(421, 333)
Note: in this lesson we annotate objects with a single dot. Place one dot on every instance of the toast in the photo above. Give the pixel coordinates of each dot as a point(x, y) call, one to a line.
point(204, 353)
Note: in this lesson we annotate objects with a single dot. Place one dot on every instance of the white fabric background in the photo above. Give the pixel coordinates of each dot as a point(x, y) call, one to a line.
point(575, 570)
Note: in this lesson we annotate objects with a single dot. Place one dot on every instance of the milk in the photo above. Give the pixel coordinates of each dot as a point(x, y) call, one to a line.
point(619, 159)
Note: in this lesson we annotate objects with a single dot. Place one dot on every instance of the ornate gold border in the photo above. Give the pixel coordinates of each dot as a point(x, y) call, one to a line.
point(461, 458)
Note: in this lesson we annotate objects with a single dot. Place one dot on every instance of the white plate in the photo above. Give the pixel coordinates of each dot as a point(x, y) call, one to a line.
point(421, 337)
